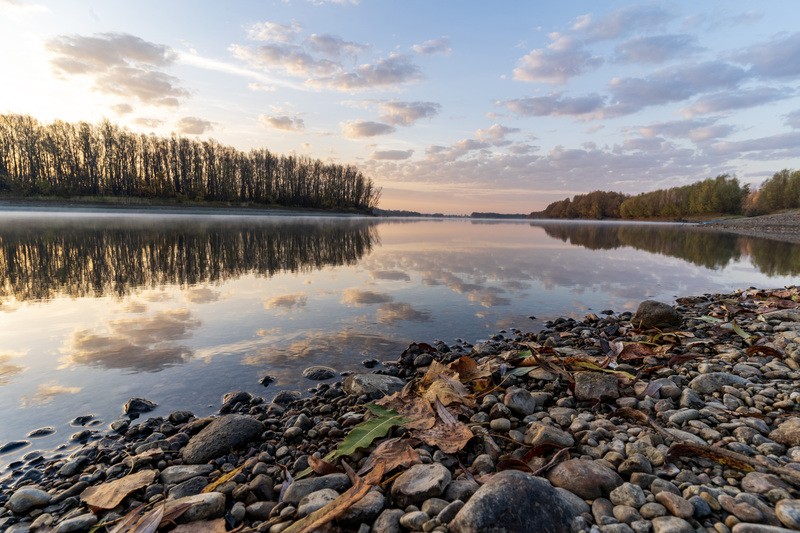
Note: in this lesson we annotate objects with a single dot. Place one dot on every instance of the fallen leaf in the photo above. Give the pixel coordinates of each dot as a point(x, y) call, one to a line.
point(392, 453)
point(435, 371)
point(448, 433)
point(522, 371)
point(764, 350)
point(129, 521)
point(340, 505)
point(718, 455)
point(362, 435)
point(742, 333)
point(321, 467)
point(513, 464)
point(469, 370)
point(417, 412)
point(682, 358)
point(448, 390)
point(635, 350)
point(109, 495)
point(222, 479)
point(202, 526)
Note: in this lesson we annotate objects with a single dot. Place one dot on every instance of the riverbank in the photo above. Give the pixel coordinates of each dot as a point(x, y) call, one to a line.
point(672, 419)
point(782, 226)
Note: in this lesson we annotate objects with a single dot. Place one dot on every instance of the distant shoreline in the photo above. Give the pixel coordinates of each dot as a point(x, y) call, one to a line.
point(782, 226)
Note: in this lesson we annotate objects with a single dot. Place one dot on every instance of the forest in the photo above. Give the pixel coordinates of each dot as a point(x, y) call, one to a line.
point(62, 159)
point(722, 195)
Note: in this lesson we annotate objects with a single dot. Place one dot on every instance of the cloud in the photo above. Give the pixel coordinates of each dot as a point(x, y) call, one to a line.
point(672, 84)
point(142, 343)
point(496, 134)
point(622, 22)
point(120, 64)
point(286, 301)
point(779, 58)
point(793, 119)
point(122, 109)
point(282, 122)
point(390, 313)
point(334, 46)
point(261, 87)
point(358, 297)
point(274, 32)
point(148, 122)
point(554, 105)
point(193, 126)
point(201, 295)
point(393, 275)
point(656, 48)
point(563, 59)
point(7, 369)
point(738, 99)
point(46, 393)
point(407, 113)
point(695, 130)
point(393, 70)
point(433, 46)
point(764, 148)
point(289, 58)
point(360, 128)
point(391, 155)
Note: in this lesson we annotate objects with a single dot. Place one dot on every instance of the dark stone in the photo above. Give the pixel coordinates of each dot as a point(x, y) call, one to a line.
point(286, 397)
point(369, 384)
point(41, 432)
point(653, 314)
point(515, 501)
point(139, 406)
point(587, 479)
point(319, 373)
point(267, 380)
point(13, 445)
point(221, 436)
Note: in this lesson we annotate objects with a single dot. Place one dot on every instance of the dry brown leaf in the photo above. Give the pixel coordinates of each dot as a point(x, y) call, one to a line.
point(109, 495)
point(764, 350)
point(416, 410)
point(321, 467)
point(392, 453)
point(513, 464)
point(340, 505)
point(468, 369)
point(449, 391)
point(202, 526)
point(718, 455)
point(435, 370)
point(635, 350)
point(129, 521)
point(448, 434)
point(211, 486)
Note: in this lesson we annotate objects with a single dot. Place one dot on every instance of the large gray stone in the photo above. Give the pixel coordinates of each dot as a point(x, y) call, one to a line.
point(419, 483)
point(587, 479)
point(788, 433)
point(201, 507)
point(358, 384)
point(595, 386)
point(224, 434)
point(714, 381)
point(319, 373)
point(27, 498)
point(515, 501)
point(653, 314)
point(788, 512)
point(541, 434)
point(302, 487)
point(180, 473)
point(520, 401)
point(77, 523)
point(364, 511)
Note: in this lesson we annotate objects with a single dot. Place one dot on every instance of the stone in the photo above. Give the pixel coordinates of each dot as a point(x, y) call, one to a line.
point(136, 406)
point(788, 512)
point(653, 314)
point(364, 511)
point(371, 384)
point(450, 511)
point(190, 487)
point(201, 507)
point(302, 487)
point(27, 498)
point(14, 445)
point(595, 386)
point(671, 524)
point(419, 483)
point(714, 381)
point(519, 401)
point(759, 528)
point(260, 510)
point(588, 479)
point(414, 520)
point(78, 523)
point(676, 505)
point(514, 501)
point(787, 433)
point(319, 373)
point(628, 494)
point(180, 473)
point(316, 500)
point(540, 434)
point(460, 489)
point(761, 483)
point(388, 521)
point(221, 436)
point(41, 432)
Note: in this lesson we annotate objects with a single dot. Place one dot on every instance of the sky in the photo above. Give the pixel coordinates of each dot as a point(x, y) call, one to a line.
point(449, 106)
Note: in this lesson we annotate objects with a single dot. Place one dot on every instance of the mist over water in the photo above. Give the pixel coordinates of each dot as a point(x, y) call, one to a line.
point(98, 308)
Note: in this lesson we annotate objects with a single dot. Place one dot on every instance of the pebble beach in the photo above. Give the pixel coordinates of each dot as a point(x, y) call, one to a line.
point(675, 418)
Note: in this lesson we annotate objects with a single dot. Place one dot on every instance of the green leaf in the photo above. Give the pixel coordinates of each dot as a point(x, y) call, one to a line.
point(524, 353)
point(522, 371)
point(362, 435)
point(710, 319)
point(742, 333)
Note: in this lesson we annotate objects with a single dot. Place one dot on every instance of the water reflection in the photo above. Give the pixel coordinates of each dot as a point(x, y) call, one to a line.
point(42, 259)
point(696, 245)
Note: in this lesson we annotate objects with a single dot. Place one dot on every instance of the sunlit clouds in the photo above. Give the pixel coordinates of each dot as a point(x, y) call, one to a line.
point(286, 301)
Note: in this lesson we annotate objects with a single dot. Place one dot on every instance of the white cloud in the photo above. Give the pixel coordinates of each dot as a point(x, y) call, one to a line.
point(554, 105)
point(193, 126)
point(385, 72)
point(286, 301)
point(282, 122)
point(148, 122)
point(361, 128)
point(391, 155)
point(738, 99)
point(563, 59)
point(334, 46)
point(407, 113)
point(496, 134)
point(274, 32)
point(122, 109)
point(433, 46)
point(656, 48)
point(695, 130)
point(261, 87)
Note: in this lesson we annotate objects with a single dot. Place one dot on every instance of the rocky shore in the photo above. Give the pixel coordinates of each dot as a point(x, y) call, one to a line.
point(674, 419)
point(782, 226)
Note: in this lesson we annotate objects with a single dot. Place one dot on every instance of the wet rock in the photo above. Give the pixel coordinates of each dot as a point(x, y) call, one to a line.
point(514, 501)
point(41, 432)
point(285, 397)
point(180, 473)
point(788, 512)
point(319, 373)
point(371, 384)
point(138, 406)
point(224, 434)
point(595, 386)
point(302, 487)
point(653, 314)
point(27, 498)
point(714, 381)
point(419, 483)
point(13, 445)
point(587, 479)
point(267, 380)
point(787, 433)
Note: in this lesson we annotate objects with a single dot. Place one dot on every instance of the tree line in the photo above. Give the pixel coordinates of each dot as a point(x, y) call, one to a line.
point(83, 159)
point(722, 195)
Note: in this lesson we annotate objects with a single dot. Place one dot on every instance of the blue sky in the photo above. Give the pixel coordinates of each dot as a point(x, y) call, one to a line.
point(449, 106)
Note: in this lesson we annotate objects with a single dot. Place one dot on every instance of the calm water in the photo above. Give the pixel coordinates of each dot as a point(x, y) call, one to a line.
point(95, 309)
